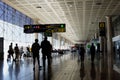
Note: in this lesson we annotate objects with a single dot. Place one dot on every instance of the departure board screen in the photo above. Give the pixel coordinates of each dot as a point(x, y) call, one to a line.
point(37, 28)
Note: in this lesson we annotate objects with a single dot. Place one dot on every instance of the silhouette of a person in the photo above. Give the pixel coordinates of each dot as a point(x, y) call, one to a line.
point(35, 51)
point(92, 52)
point(21, 52)
point(46, 51)
point(82, 53)
point(11, 51)
point(16, 49)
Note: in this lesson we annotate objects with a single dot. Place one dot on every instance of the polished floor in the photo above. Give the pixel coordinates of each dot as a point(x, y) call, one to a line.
point(63, 67)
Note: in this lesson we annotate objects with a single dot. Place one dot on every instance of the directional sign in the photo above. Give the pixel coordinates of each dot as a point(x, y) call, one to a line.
point(44, 28)
point(49, 34)
point(102, 28)
point(34, 28)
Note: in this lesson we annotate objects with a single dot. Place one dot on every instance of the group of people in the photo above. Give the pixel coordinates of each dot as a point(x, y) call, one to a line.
point(46, 52)
point(82, 52)
point(18, 52)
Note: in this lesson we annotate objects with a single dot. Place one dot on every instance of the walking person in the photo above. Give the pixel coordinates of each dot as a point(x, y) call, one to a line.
point(10, 52)
point(92, 52)
point(46, 51)
point(21, 52)
point(17, 53)
point(35, 52)
point(82, 52)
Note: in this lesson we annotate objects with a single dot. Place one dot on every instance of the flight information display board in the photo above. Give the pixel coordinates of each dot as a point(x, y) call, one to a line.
point(44, 28)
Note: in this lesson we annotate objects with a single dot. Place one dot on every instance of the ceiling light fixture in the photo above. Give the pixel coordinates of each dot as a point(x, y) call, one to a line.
point(38, 7)
point(70, 5)
point(98, 3)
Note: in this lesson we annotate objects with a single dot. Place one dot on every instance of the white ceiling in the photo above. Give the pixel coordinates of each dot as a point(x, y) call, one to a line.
point(80, 16)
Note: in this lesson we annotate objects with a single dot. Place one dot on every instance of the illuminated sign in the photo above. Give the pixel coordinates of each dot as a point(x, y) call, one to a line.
point(34, 28)
point(102, 28)
point(49, 34)
point(44, 28)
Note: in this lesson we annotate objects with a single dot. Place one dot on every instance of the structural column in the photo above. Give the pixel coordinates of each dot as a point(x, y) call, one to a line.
point(59, 41)
point(36, 35)
point(109, 36)
point(109, 48)
point(101, 45)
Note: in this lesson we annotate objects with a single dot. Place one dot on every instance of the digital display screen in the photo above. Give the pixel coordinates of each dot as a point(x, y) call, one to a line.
point(44, 28)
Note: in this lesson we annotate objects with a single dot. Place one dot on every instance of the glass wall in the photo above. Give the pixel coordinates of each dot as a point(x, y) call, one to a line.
point(116, 42)
point(11, 27)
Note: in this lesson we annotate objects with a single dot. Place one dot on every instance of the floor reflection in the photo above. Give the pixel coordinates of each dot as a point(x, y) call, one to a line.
point(17, 70)
point(82, 71)
point(104, 69)
point(65, 67)
point(10, 70)
point(47, 73)
point(36, 75)
point(93, 72)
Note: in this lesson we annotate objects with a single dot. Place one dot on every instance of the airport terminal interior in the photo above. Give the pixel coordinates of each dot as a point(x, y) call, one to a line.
point(72, 27)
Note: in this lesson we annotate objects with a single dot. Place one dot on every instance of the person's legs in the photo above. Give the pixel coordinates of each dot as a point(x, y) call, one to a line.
point(92, 57)
point(33, 62)
point(12, 56)
point(38, 60)
point(49, 59)
point(15, 56)
point(82, 58)
point(44, 58)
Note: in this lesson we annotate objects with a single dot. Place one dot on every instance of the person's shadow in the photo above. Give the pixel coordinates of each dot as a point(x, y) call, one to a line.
point(92, 71)
point(82, 71)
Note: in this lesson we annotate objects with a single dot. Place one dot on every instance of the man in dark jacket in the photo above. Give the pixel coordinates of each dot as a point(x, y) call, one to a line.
point(46, 51)
point(92, 52)
point(82, 52)
point(35, 52)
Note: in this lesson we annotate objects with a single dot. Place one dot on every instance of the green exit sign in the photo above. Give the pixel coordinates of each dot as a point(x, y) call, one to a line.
point(49, 34)
point(62, 26)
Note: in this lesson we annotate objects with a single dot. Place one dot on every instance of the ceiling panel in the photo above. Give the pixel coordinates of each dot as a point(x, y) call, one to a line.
point(80, 16)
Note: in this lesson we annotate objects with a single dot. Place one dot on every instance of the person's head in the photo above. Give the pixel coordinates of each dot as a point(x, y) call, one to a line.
point(36, 40)
point(16, 44)
point(45, 38)
point(81, 45)
point(92, 44)
point(11, 43)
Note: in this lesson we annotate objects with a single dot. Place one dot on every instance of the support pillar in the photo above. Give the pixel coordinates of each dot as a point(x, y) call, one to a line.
point(36, 35)
point(109, 47)
point(59, 40)
point(109, 36)
point(101, 45)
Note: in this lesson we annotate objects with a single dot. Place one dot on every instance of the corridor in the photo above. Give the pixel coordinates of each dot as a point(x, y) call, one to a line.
point(63, 67)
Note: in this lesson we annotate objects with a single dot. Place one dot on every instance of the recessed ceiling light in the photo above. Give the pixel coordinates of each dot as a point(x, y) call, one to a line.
point(98, 3)
point(38, 7)
point(70, 5)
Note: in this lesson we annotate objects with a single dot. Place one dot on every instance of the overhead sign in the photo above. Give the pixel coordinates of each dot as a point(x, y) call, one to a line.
point(49, 34)
point(44, 28)
point(102, 28)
